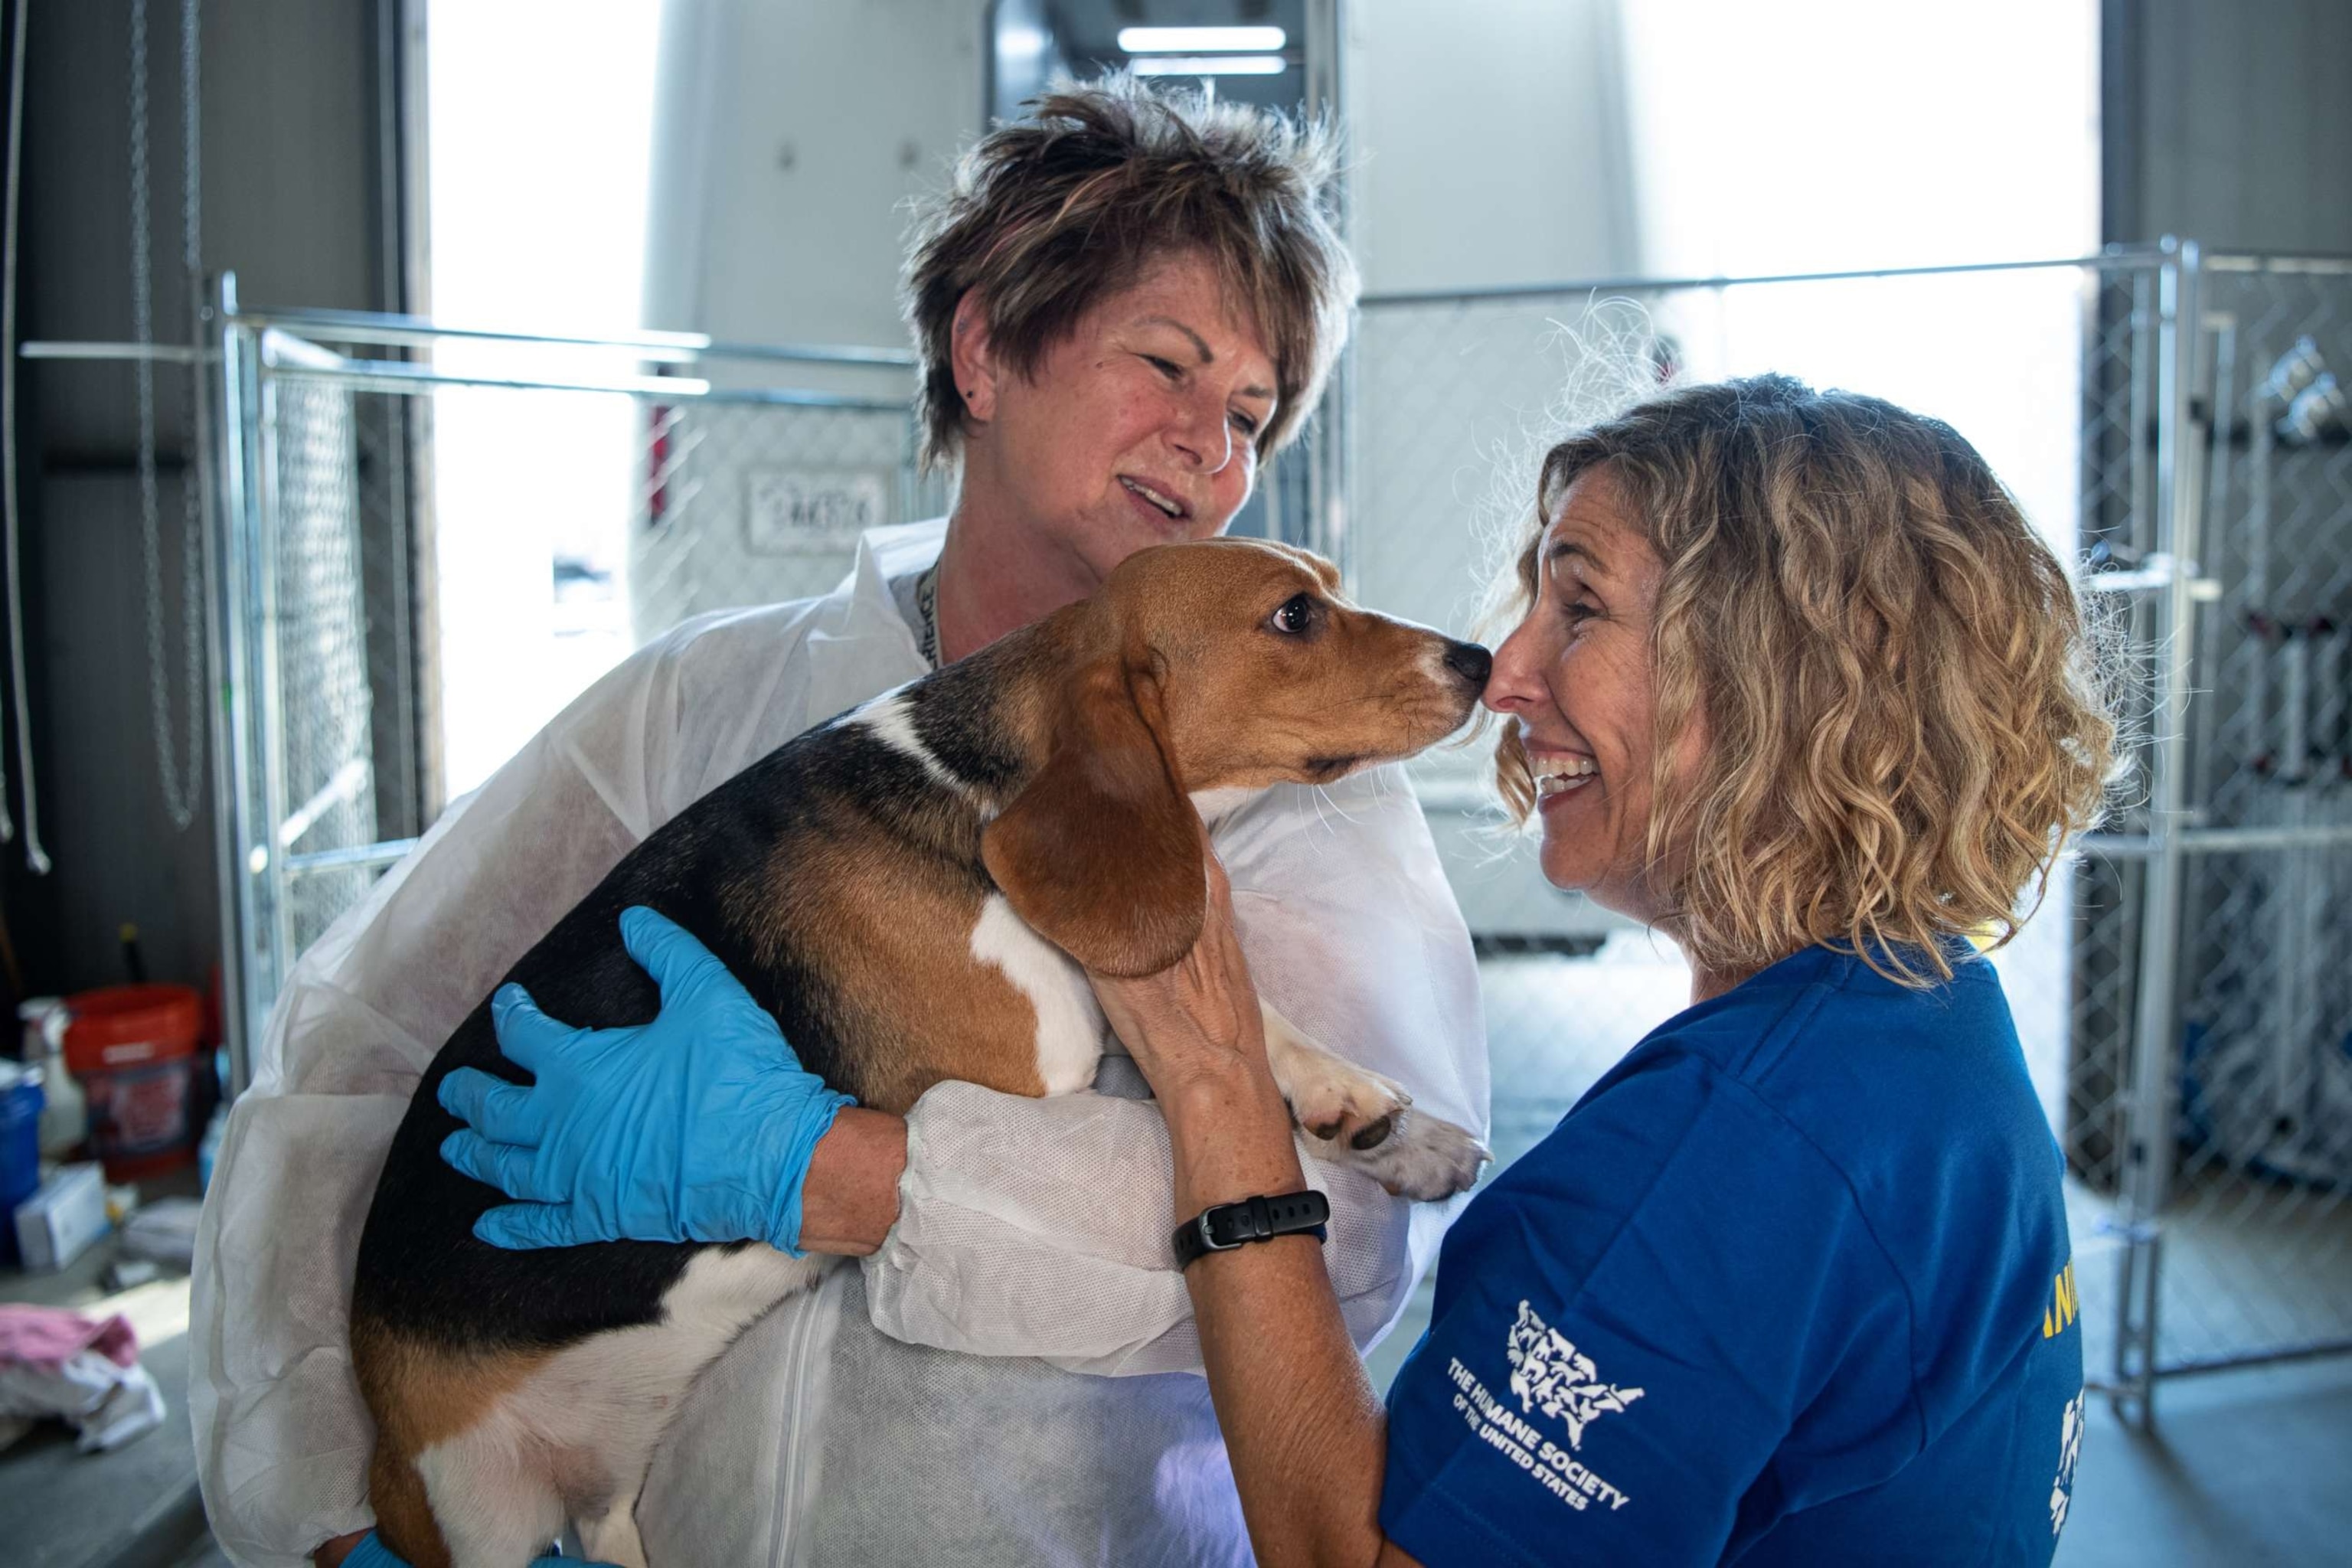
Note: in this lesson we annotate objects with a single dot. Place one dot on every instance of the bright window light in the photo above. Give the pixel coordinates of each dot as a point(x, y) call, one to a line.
point(1880, 165)
point(1201, 40)
point(1209, 64)
point(543, 112)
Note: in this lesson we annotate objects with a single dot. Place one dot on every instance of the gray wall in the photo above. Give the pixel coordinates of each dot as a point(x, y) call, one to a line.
point(290, 150)
point(789, 139)
point(2228, 124)
point(1489, 144)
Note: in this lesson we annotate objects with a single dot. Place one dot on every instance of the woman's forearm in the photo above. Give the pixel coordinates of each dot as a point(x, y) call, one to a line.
point(1306, 1436)
point(1301, 1424)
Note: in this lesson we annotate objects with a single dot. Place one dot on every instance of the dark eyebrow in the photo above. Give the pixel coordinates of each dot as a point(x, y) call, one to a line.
point(1200, 347)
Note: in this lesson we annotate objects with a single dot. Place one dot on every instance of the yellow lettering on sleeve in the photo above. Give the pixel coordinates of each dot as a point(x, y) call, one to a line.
point(2059, 1316)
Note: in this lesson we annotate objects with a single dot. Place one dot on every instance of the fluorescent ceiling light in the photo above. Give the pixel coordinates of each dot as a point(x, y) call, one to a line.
point(1208, 65)
point(1186, 40)
point(1020, 43)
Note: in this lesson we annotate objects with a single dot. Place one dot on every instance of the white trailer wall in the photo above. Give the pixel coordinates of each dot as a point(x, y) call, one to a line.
point(788, 140)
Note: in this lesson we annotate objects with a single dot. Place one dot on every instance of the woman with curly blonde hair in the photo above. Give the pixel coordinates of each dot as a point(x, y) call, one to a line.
point(1796, 684)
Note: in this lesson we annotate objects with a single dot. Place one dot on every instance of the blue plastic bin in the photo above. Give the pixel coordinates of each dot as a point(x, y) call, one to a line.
point(20, 1149)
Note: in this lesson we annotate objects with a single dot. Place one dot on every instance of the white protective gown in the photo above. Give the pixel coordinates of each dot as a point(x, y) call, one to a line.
point(1032, 1237)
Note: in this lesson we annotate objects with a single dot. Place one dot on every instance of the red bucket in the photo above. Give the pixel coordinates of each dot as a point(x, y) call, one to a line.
point(134, 1049)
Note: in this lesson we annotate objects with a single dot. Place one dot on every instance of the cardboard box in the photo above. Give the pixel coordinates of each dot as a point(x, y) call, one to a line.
point(61, 1221)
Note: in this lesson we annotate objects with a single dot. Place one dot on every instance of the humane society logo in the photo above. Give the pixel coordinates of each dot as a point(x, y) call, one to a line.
point(1548, 1373)
point(2070, 1449)
point(2065, 1305)
point(1549, 1377)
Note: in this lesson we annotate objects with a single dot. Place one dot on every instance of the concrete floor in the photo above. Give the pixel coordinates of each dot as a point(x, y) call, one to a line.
point(2245, 1469)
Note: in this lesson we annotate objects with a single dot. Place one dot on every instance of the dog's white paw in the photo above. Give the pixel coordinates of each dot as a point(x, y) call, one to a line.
point(1423, 1157)
point(1340, 1104)
point(1357, 1118)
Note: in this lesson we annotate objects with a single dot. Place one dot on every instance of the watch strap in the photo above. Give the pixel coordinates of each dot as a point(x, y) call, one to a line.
point(1220, 1227)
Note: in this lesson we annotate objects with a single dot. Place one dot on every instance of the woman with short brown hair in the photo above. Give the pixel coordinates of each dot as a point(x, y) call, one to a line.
point(1122, 306)
point(1050, 215)
point(1797, 684)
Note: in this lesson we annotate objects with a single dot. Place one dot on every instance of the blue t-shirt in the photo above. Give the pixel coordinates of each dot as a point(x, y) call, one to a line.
point(1790, 1284)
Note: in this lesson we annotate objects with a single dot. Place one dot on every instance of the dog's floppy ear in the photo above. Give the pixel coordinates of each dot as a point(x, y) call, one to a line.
point(1101, 854)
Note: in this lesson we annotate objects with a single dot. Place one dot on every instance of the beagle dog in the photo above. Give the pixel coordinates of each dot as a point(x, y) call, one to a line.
point(987, 833)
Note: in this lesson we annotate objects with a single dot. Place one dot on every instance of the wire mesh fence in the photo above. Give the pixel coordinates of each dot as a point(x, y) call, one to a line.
point(2208, 1137)
point(434, 540)
point(327, 755)
point(2256, 1229)
point(752, 504)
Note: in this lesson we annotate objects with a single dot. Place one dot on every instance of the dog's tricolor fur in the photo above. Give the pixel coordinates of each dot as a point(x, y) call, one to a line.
point(906, 889)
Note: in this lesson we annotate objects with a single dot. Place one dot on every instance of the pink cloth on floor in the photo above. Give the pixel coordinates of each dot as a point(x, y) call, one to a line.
point(50, 1336)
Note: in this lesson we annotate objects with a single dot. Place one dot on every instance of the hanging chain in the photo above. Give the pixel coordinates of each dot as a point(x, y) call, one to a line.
point(179, 792)
point(35, 857)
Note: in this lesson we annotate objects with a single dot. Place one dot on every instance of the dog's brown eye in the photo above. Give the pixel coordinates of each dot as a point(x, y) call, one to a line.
point(1297, 613)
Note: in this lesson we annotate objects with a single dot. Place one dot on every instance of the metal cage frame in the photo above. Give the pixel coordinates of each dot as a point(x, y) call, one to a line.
point(260, 353)
point(2179, 359)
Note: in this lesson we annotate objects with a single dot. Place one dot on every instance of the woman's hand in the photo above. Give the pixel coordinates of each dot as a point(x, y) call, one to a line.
point(1196, 1031)
point(700, 1126)
point(1195, 1026)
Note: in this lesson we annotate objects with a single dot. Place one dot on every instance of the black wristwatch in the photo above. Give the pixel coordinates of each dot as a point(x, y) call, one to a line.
point(1224, 1227)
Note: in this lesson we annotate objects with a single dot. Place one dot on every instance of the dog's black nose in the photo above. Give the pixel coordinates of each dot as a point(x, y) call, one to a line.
point(1470, 661)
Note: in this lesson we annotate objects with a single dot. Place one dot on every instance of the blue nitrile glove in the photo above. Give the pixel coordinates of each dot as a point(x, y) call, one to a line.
point(699, 1126)
point(373, 1554)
